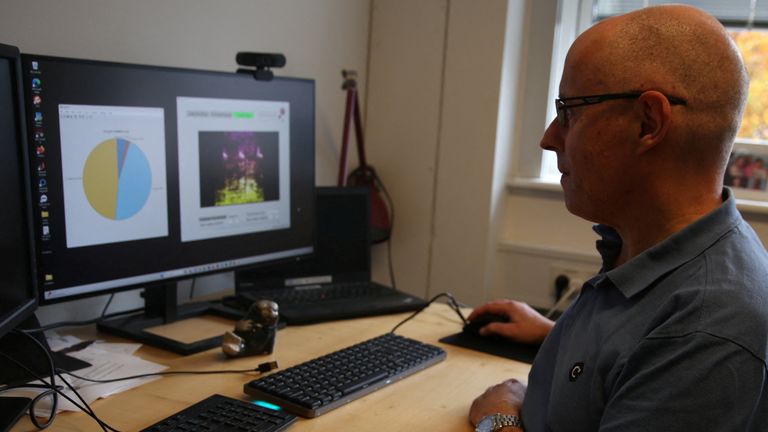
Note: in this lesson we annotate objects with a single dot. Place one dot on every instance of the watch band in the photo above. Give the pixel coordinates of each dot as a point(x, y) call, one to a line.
point(504, 420)
point(496, 422)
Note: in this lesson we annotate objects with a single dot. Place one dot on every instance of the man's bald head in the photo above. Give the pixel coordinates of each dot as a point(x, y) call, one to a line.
point(680, 51)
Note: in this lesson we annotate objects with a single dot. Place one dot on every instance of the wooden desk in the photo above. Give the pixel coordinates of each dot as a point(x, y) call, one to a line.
point(437, 398)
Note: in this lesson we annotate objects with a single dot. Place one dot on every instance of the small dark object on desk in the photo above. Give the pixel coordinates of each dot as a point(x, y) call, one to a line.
point(255, 333)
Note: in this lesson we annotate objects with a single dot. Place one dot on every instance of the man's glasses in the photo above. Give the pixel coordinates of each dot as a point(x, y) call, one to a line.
point(563, 104)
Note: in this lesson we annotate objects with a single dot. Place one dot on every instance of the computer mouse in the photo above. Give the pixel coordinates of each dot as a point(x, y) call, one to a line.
point(474, 326)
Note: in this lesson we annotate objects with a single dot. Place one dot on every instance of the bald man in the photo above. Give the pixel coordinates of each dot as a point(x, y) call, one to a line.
point(672, 333)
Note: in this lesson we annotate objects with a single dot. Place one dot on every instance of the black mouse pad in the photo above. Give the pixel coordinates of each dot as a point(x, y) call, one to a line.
point(494, 345)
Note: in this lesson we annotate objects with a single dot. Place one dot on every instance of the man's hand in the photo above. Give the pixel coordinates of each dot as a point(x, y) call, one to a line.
point(525, 324)
point(504, 398)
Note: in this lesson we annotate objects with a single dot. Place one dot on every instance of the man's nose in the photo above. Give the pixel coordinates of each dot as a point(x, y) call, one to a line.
point(552, 139)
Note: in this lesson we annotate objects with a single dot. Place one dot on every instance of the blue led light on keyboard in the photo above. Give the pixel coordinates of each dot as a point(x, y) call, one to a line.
point(267, 405)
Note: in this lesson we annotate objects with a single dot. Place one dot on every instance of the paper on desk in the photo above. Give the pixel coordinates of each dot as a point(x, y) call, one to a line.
point(117, 348)
point(105, 364)
point(57, 342)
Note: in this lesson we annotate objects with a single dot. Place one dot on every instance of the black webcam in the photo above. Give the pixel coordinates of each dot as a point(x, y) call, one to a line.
point(261, 62)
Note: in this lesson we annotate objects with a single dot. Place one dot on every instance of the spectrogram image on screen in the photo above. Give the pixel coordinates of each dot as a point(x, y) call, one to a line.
point(238, 168)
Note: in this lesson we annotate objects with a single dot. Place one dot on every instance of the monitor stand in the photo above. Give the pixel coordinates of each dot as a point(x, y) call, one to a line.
point(161, 307)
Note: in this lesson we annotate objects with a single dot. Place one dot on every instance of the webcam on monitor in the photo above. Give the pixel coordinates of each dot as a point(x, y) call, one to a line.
point(261, 62)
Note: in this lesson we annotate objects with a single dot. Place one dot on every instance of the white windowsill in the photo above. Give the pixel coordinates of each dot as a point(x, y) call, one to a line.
point(548, 188)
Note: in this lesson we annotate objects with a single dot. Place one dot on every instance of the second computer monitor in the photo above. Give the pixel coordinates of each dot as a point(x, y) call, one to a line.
point(142, 175)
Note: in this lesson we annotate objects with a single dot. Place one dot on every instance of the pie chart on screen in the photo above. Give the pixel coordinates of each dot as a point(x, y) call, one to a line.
point(117, 179)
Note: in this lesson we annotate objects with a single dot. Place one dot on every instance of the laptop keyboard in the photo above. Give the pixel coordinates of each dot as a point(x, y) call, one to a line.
point(308, 294)
point(324, 383)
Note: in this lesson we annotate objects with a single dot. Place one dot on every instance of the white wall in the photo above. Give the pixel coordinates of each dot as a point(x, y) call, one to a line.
point(318, 38)
point(435, 77)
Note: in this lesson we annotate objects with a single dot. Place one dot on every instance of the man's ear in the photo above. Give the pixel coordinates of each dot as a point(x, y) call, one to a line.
point(656, 116)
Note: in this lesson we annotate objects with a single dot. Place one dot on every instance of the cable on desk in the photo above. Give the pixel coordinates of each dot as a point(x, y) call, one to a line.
point(262, 368)
point(55, 391)
point(452, 303)
point(84, 407)
point(48, 391)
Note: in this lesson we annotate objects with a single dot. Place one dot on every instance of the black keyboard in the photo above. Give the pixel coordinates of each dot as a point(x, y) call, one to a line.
point(322, 384)
point(307, 294)
point(219, 413)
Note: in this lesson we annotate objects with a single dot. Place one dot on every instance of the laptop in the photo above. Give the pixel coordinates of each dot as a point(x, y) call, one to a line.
point(335, 282)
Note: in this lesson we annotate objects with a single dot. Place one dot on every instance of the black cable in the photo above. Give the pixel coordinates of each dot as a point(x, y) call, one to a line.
point(55, 400)
point(262, 368)
point(48, 391)
point(88, 410)
point(391, 233)
point(57, 389)
point(106, 306)
point(192, 288)
point(52, 391)
point(452, 303)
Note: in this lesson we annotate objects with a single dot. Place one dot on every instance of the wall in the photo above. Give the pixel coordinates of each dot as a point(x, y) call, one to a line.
point(318, 39)
point(433, 98)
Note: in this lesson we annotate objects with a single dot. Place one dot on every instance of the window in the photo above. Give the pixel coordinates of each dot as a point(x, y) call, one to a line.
point(747, 20)
point(753, 45)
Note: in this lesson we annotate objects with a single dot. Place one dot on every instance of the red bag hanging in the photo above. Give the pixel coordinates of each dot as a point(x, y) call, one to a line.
point(364, 174)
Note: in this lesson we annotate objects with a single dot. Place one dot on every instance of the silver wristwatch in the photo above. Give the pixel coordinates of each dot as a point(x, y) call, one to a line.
point(494, 422)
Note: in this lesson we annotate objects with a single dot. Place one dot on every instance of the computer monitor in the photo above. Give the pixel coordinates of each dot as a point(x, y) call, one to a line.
point(17, 288)
point(145, 175)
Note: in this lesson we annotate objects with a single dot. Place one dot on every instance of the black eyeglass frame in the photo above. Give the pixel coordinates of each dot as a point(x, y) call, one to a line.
point(561, 104)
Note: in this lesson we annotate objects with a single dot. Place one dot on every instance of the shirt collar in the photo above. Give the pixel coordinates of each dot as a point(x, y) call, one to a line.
point(639, 272)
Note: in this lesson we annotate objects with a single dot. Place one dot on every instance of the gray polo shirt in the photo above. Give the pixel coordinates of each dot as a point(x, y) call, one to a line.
point(675, 339)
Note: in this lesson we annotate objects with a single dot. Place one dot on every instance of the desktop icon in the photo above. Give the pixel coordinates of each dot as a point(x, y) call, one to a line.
point(46, 230)
point(38, 117)
point(42, 183)
point(40, 150)
point(43, 199)
point(35, 65)
point(36, 84)
point(48, 277)
point(39, 135)
point(37, 100)
point(44, 214)
point(41, 167)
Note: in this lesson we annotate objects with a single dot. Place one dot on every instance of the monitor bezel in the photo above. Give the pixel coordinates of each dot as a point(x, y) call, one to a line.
point(27, 308)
